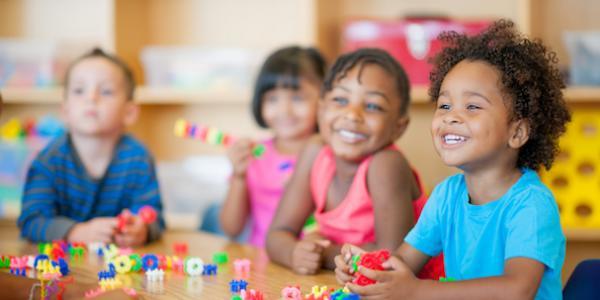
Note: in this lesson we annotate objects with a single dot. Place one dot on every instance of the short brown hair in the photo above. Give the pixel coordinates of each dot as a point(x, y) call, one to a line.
point(97, 52)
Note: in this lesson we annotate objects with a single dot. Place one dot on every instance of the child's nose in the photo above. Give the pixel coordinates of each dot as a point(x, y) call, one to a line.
point(452, 117)
point(353, 113)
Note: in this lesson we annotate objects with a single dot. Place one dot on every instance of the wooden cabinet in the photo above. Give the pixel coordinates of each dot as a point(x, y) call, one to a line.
point(126, 26)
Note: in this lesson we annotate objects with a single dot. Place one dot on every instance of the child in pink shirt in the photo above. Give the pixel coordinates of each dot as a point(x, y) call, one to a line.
point(359, 186)
point(285, 101)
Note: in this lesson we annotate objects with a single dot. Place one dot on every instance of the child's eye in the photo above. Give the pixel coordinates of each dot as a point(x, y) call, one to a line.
point(297, 98)
point(473, 107)
point(107, 92)
point(77, 91)
point(444, 106)
point(373, 107)
point(340, 100)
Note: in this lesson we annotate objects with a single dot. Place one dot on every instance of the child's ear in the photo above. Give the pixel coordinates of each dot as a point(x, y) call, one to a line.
point(132, 111)
point(519, 133)
point(401, 125)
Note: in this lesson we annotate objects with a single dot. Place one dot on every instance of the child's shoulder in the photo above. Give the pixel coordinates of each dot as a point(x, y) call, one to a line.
point(57, 147)
point(530, 191)
point(130, 146)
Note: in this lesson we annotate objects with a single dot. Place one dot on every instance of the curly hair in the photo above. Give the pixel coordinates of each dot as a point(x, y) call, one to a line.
point(530, 79)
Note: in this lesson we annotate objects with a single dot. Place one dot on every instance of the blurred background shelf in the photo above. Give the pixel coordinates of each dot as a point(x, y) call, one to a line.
point(175, 96)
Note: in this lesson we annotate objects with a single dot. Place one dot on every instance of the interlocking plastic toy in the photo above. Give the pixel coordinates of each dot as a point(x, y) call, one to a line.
point(147, 213)
point(4, 262)
point(210, 135)
point(344, 294)
point(149, 262)
point(155, 275)
point(220, 258)
point(193, 266)
point(318, 293)
point(209, 269)
point(241, 265)
point(371, 260)
point(251, 295)
point(180, 248)
point(235, 286)
point(122, 264)
point(291, 293)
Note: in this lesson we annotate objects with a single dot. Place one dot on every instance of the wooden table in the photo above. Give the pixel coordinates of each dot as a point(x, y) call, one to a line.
point(264, 276)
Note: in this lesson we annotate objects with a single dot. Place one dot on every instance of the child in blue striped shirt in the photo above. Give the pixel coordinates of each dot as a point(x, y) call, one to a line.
point(82, 180)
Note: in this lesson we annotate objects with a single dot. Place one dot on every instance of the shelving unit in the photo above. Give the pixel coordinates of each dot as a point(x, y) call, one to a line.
point(127, 26)
point(172, 96)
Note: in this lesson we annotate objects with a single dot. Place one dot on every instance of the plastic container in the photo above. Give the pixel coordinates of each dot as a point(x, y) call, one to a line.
point(199, 67)
point(412, 41)
point(584, 51)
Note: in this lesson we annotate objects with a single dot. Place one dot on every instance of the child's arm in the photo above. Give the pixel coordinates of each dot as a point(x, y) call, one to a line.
point(393, 187)
point(296, 205)
point(38, 220)
point(236, 208)
point(521, 280)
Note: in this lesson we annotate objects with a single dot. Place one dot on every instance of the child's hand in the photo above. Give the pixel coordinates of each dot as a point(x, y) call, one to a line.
point(307, 256)
point(94, 230)
point(397, 283)
point(134, 233)
point(343, 272)
point(240, 154)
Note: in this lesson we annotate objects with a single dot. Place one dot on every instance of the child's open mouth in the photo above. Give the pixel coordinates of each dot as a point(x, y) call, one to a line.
point(453, 139)
point(351, 136)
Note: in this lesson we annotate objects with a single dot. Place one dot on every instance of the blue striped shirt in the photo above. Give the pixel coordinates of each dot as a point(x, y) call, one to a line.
point(59, 193)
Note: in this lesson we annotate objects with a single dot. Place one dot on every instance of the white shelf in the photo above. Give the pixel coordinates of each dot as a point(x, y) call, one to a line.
point(156, 95)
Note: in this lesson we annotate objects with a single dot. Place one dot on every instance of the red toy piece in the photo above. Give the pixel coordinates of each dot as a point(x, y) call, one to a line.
point(180, 248)
point(373, 261)
point(147, 213)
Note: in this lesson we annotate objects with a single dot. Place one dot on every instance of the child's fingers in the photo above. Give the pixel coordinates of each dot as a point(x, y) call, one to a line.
point(372, 291)
point(342, 276)
point(349, 250)
point(322, 244)
point(394, 263)
point(341, 263)
point(380, 276)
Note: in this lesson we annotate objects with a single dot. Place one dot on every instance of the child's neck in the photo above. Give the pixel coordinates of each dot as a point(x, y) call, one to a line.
point(487, 185)
point(290, 146)
point(95, 152)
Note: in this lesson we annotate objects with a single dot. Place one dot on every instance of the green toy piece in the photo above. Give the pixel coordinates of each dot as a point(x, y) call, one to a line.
point(258, 150)
point(220, 258)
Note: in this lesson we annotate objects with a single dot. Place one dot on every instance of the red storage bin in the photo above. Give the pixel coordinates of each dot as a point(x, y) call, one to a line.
point(411, 41)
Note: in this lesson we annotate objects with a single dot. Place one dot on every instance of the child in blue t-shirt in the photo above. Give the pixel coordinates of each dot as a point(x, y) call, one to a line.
point(500, 111)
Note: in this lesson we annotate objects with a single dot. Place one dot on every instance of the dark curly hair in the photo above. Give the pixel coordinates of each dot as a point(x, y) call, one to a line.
point(364, 56)
point(284, 67)
point(530, 79)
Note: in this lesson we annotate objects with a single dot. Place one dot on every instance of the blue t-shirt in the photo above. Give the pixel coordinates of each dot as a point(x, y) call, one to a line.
point(478, 239)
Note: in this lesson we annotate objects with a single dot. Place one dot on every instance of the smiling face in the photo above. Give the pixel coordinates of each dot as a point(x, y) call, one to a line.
point(361, 113)
point(96, 98)
point(472, 125)
point(292, 114)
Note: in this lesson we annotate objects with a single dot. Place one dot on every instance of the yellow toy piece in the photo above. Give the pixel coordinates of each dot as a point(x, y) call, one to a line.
point(12, 129)
point(180, 126)
point(122, 264)
point(575, 176)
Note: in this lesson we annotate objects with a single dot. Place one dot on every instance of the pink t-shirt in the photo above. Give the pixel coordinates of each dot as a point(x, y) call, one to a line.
point(266, 178)
point(353, 219)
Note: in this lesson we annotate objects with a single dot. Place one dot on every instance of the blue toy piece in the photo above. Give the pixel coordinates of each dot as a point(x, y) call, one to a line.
point(583, 283)
point(111, 273)
point(62, 265)
point(209, 269)
point(38, 258)
point(235, 286)
point(149, 262)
